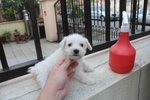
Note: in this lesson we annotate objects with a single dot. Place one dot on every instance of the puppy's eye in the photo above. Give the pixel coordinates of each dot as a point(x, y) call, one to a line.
point(69, 45)
point(81, 44)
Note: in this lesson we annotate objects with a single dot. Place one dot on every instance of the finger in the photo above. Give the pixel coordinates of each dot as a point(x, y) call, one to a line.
point(69, 72)
point(70, 76)
point(66, 63)
point(73, 65)
point(61, 61)
point(72, 60)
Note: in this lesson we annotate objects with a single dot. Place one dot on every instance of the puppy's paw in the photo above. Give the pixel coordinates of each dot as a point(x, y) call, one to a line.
point(88, 81)
point(32, 70)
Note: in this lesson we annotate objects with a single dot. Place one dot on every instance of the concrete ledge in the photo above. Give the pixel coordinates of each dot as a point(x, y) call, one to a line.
point(144, 85)
point(109, 85)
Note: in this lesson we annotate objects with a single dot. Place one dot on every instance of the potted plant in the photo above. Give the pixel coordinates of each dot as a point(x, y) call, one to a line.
point(7, 36)
point(17, 35)
point(23, 38)
point(2, 39)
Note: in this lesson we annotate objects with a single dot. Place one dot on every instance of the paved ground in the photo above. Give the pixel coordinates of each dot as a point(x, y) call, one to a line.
point(19, 53)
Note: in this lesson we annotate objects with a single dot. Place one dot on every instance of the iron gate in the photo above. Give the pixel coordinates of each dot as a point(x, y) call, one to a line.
point(98, 20)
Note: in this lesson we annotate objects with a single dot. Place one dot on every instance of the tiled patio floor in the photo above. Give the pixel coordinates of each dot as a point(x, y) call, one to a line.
point(19, 53)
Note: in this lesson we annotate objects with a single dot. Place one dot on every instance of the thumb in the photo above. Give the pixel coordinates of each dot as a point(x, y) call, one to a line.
point(66, 63)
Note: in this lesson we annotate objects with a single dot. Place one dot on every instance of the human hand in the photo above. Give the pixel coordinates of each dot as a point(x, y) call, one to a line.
point(59, 78)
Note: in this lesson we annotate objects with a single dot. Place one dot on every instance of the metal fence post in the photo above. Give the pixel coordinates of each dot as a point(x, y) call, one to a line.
point(134, 17)
point(3, 58)
point(64, 17)
point(144, 15)
point(107, 19)
point(32, 10)
point(87, 16)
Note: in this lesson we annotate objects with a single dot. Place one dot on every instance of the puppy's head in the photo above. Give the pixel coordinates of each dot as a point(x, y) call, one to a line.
point(75, 46)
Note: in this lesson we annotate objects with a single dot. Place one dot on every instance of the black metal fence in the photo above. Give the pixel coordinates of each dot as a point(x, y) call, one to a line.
point(8, 72)
point(98, 20)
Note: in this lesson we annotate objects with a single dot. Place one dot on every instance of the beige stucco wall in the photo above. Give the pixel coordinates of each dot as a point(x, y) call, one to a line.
point(11, 26)
point(48, 14)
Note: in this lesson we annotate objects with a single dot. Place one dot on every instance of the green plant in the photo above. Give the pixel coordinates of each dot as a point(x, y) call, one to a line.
point(7, 35)
point(16, 31)
point(17, 4)
point(8, 13)
point(2, 39)
point(14, 6)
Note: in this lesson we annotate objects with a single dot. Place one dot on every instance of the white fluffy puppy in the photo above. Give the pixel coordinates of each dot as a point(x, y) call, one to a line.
point(73, 46)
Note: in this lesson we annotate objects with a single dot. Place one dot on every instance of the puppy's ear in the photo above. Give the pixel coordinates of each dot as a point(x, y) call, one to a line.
point(88, 44)
point(63, 42)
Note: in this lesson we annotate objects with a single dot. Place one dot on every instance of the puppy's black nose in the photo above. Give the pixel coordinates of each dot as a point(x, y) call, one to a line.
point(76, 51)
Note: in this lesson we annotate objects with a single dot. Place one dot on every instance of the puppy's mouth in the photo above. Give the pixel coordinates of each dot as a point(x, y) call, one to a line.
point(76, 55)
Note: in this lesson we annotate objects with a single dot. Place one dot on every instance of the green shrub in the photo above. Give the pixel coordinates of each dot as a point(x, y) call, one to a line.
point(8, 13)
point(7, 35)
